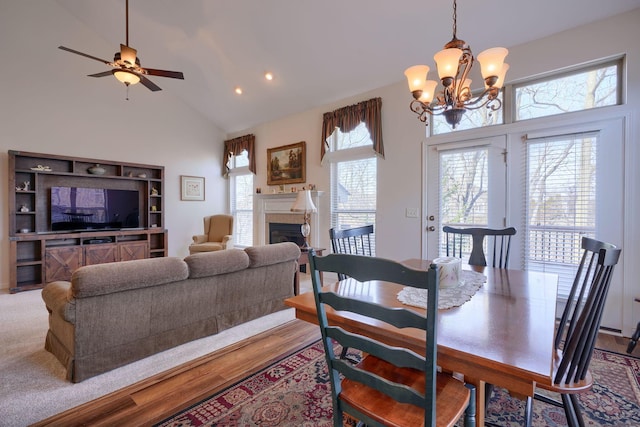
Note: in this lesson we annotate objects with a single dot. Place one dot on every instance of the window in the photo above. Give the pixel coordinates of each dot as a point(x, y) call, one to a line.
point(463, 188)
point(596, 85)
point(463, 180)
point(584, 89)
point(241, 203)
point(561, 203)
point(353, 178)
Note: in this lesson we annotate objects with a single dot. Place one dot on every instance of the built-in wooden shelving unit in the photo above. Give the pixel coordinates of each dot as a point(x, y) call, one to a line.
point(40, 255)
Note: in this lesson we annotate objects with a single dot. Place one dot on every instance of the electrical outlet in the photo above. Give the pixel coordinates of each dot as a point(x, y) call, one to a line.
point(412, 213)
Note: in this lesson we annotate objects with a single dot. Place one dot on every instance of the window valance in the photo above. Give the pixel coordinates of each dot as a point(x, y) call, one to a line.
point(347, 118)
point(236, 146)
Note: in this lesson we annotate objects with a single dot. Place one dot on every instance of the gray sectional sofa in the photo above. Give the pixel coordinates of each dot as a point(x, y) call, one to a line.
point(113, 314)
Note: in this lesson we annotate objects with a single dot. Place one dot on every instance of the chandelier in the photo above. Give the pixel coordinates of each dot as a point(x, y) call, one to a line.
point(454, 63)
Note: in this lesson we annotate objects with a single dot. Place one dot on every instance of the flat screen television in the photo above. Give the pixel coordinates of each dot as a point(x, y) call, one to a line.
point(77, 209)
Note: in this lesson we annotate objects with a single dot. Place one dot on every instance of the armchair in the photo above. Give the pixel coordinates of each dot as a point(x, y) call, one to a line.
point(218, 235)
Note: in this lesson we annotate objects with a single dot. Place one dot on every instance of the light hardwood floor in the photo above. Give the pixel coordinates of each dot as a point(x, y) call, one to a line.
point(158, 397)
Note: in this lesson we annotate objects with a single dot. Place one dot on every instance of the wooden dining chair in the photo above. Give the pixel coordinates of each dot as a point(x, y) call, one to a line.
point(577, 330)
point(499, 240)
point(354, 241)
point(391, 385)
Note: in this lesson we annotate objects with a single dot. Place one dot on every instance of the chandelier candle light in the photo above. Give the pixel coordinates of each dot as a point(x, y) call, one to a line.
point(454, 63)
point(304, 204)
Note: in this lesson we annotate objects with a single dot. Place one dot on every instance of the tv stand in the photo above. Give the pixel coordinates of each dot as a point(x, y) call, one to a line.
point(39, 255)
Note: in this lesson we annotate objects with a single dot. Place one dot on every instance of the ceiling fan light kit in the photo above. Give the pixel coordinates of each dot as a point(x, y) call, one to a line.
point(126, 64)
point(126, 77)
point(454, 63)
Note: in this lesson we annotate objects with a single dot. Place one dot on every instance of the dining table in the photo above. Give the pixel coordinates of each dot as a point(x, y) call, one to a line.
point(503, 335)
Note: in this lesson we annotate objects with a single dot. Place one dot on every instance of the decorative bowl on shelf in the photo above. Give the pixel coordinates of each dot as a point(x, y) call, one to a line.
point(96, 170)
point(24, 230)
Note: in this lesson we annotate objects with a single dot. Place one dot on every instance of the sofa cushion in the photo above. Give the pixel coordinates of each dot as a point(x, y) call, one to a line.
point(272, 254)
point(101, 279)
point(205, 264)
point(205, 247)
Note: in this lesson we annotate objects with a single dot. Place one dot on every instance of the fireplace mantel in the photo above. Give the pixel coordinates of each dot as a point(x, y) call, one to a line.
point(280, 203)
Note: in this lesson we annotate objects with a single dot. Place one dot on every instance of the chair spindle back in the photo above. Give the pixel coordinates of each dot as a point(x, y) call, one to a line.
point(354, 241)
point(581, 317)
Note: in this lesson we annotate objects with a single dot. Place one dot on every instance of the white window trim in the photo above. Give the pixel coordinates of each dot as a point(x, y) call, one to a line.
point(232, 174)
point(349, 154)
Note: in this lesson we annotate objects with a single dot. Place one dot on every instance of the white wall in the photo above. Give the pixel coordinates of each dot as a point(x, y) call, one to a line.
point(400, 173)
point(48, 105)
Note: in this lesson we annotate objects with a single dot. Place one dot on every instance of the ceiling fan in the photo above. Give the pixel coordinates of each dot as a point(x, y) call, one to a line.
point(126, 65)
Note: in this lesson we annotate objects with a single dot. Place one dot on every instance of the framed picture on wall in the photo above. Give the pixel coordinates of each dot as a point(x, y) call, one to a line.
point(191, 187)
point(287, 164)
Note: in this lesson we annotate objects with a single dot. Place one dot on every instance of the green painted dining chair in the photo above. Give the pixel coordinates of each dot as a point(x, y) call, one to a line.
point(390, 385)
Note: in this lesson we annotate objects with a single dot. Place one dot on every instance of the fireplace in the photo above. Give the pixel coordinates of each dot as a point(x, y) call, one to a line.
point(282, 232)
point(276, 208)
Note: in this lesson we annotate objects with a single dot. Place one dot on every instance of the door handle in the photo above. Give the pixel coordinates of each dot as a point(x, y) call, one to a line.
point(431, 228)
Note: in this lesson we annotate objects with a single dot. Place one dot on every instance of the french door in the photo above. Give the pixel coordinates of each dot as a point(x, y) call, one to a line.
point(574, 187)
point(466, 187)
point(561, 184)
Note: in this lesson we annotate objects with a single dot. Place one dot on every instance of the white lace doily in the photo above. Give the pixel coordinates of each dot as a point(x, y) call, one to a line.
point(470, 282)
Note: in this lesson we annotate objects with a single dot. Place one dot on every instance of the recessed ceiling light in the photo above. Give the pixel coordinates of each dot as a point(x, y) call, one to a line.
point(268, 76)
point(238, 90)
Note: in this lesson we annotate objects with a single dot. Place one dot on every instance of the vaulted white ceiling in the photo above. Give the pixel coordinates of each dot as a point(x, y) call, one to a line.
point(319, 51)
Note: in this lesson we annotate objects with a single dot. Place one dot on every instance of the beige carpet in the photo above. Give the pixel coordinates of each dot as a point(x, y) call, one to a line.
point(32, 384)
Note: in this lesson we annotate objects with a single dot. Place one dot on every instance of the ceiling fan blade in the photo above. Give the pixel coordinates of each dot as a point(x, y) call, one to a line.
point(149, 84)
point(164, 73)
point(85, 55)
point(102, 74)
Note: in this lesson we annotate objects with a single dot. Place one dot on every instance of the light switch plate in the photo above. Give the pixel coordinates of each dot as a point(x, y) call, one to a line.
point(412, 213)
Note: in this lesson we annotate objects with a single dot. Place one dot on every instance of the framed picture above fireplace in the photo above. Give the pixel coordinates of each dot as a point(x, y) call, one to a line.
point(287, 164)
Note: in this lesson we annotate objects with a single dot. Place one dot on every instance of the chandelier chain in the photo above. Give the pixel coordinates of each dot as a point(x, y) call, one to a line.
point(455, 20)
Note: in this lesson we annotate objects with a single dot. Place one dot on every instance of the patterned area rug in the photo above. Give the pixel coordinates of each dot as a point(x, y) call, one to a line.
point(614, 399)
point(295, 392)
